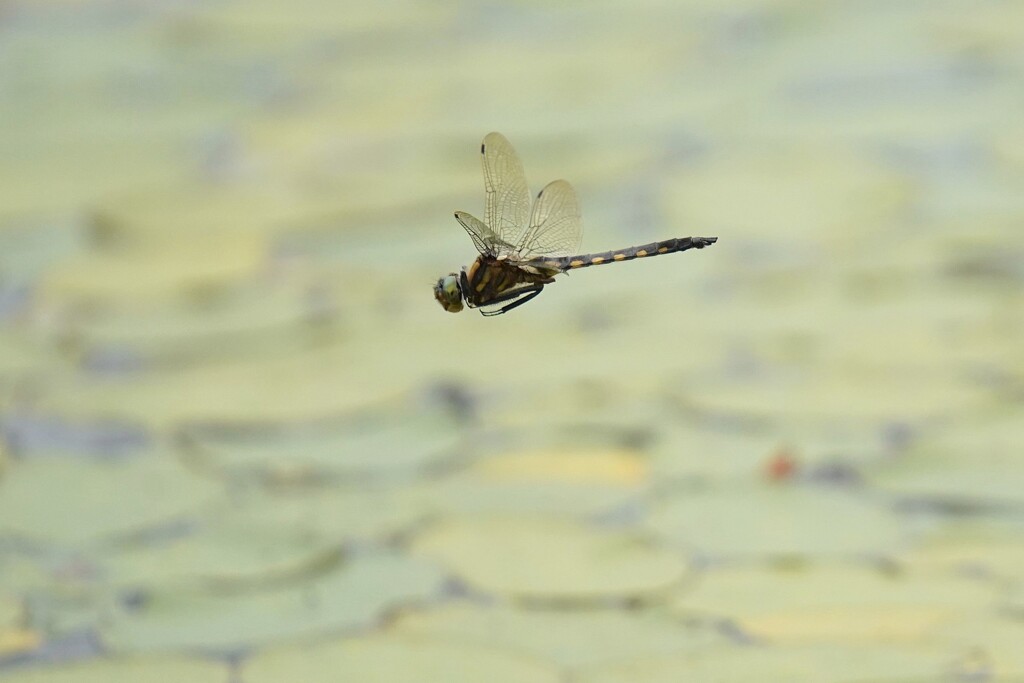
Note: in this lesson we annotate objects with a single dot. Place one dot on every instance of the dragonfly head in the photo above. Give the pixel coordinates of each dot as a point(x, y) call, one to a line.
point(448, 293)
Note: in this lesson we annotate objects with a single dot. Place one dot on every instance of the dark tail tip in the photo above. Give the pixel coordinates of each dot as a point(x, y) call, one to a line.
point(701, 242)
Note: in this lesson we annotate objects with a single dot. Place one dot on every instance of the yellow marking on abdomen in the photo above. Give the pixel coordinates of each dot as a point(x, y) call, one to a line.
point(575, 264)
point(619, 257)
point(641, 253)
point(484, 279)
point(662, 250)
point(597, 260)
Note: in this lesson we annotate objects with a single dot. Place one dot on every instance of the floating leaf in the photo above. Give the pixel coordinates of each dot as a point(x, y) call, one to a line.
point(259, 538)
point(80, 502)
point(348, 514)
point(976, 462)
point(174, 268)
point(15, 638)
point(766, 664)
point(142, 670)
point(401, 441)
point(16, 641)
point(986, 547)
point(28, 246)
point(223, 554)
point(564, 638)
point(574, 483)
point(772, 521)
point(832, 604)
point(995, 637)
point(551, 559)
point(244, 320)
point(354, 595)
point(807, 189)
point(395, 660)
point(841, 397)
point(468, 494)
point(268, 389)
point(612, 468)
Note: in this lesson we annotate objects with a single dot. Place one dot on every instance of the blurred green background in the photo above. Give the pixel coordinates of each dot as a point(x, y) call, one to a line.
point(242, 443)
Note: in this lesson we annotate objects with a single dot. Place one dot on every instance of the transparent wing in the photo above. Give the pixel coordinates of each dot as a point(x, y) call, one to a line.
point(556, 226)
point(487, 243)
point(507, 200)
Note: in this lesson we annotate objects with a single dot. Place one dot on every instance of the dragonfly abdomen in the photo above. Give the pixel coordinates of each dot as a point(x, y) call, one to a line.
point(671, 246)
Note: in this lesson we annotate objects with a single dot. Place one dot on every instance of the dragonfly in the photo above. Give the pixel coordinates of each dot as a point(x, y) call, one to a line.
point(522, 247)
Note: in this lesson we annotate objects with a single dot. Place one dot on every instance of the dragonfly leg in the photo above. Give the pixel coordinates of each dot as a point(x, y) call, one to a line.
point(517, 298)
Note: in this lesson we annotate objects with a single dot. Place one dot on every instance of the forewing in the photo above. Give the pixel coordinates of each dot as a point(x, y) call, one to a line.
point(487, 243)
point(556, 225)
point(507, 200)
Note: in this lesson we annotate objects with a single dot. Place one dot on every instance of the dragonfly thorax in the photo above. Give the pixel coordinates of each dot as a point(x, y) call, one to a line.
point(448, 293)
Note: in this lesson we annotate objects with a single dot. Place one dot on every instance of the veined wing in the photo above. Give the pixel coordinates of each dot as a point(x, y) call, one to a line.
point(507, 199)
point(556, 225)
point(487, 243)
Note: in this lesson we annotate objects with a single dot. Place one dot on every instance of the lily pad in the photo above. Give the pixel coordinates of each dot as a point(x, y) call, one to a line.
point(611, 467)
point(395, 660)
point(558, 482)
point(11, 611)
point(396, 441)
point(551, 559)
point(832, 604)
point(17, 641)
point(243, 320)
point(15, 637)
point(726, 453)
point(23, 352)
point(995, 639)
point(976, 462)
point(468, 494)
point(258, 538)
point(355, 595)
point(348, 514)
point(292, 387)
point(178, 268)
point(794, 190)
point(127, 670)
point(78, 502)
point(777, 521)
point(563, 638)
point(810, 664)
point(974, 548)
point(842, 397)
point(224, 554)
point(28, 246)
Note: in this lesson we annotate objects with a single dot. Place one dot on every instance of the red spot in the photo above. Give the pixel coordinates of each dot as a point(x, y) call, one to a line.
point(781, 466)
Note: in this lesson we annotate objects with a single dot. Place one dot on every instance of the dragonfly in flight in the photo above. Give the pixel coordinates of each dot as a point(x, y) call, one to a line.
point(523, 248)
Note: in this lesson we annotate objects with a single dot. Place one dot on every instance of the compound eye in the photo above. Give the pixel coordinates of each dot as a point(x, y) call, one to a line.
point(448, 293)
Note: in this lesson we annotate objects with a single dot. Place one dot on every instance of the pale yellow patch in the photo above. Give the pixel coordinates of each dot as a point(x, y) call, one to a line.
point(619, 257)
point(17, 640)
point(143, 272)
point(585, 467)
point(662, 250)
point(597, 260)
point(641, 253)
point(575, 264)
point(849, 624)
